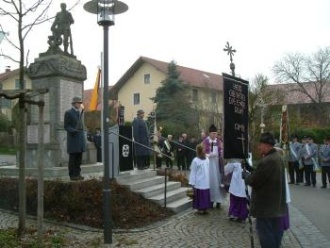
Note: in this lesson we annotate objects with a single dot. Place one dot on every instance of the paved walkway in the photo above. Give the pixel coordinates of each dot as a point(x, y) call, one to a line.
point(185, 230)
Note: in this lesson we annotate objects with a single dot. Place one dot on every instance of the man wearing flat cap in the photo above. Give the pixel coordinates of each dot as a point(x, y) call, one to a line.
point(268, 199)
point(76, 143)
point(310, 156)
point(141, 140)
point(294, 160)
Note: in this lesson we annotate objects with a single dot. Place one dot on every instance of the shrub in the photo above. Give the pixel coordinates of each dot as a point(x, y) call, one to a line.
point(82, 203)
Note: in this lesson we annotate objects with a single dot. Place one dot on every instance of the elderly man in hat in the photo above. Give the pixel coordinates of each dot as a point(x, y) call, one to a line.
point(141, 139)
point(268, 200)
point(76, 143)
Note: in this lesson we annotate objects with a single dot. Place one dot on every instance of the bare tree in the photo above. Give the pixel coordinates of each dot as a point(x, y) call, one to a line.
point(310, 73)
point(18, 11)
point(260, 97)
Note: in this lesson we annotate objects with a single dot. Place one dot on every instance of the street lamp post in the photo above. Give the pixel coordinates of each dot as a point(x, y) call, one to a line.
point(105, 11)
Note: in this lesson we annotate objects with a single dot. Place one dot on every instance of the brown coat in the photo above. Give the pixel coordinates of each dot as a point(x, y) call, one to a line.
point(268, 198)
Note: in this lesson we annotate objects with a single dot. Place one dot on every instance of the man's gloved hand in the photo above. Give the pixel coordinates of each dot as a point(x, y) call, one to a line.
point(245, 174)
point(247, 166)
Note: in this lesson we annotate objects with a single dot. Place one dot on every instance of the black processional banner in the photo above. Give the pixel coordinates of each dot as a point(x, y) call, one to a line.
point(235, 135)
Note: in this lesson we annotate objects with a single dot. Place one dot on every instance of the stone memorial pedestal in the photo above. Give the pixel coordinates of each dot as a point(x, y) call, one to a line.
point(63, 76)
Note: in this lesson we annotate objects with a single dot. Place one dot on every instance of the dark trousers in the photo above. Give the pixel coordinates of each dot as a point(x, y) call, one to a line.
point(301, 174)
point(158, 161)
point(325, 172)
point(270, 232)
point(74, 164)
point(310, 175)
point(141, 162)
point(168, 161)
point(294, 172)
point(181, 162)
point(98, 154)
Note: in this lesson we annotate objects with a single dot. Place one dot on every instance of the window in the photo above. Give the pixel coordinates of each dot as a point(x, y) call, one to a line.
point(17, 87)
point(5, 103)
point(136, 99)
point(194, 95)
point(147, 78)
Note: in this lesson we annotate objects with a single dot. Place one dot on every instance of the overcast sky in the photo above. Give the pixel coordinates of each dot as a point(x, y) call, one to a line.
point(193, 33)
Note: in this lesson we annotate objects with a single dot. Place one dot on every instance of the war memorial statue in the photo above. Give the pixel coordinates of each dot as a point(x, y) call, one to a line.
point(61, 32)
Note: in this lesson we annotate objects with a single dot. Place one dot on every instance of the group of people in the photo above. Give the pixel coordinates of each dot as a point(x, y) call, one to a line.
point(269, 198)
point(168, 150)
point(305, 158)
point(270, 195)
point(181, 151)
point(206, 174)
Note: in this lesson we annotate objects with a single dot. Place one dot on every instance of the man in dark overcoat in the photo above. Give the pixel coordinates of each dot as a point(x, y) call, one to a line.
point(268, 200)
point(76, 143)
point(141, 139)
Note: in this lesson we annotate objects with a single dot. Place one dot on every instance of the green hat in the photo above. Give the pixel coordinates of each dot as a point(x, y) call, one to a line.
point(76, 99)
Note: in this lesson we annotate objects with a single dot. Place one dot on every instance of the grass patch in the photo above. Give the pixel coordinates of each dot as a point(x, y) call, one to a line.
point(7, 150)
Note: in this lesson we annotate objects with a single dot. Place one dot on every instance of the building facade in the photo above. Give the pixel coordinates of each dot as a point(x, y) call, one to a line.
point(9, 81)
point(136, 88)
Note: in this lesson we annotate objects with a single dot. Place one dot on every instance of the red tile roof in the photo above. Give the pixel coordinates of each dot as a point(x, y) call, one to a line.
point(293, 94)
point(193, 77)
point(8, 74)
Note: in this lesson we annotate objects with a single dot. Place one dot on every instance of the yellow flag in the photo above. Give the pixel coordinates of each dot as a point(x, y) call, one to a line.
point(95, 94)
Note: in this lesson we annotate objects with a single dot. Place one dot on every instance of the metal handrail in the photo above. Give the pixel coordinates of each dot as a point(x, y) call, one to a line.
point(166, 168)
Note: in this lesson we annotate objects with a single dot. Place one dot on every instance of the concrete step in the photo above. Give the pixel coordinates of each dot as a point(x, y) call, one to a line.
point(143, 183)
point(129, 176)
point(151, 187)
point(158, 189)
point(171, 196)
point(180, 205)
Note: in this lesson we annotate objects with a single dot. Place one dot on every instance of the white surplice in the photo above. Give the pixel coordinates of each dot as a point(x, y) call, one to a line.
point(217, 195)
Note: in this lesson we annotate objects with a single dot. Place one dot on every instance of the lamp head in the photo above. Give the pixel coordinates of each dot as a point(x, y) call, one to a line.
point(105, 10)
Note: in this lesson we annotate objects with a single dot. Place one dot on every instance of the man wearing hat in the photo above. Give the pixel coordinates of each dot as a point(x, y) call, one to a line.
point(302, 165)
point(325, 161)
point(76, 143)
point(141, 140)
point(293, 159)
point(268, 200)
point(310, 156)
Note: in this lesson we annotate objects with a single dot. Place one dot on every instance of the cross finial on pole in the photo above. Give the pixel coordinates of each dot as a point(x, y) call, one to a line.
point(230, 51)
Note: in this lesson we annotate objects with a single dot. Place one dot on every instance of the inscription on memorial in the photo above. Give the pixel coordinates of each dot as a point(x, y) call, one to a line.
point(68, 90)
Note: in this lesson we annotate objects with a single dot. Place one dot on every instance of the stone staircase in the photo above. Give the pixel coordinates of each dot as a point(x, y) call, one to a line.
point(152, 187)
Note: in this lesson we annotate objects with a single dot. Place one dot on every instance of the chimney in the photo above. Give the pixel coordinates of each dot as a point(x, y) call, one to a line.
point(7, 68)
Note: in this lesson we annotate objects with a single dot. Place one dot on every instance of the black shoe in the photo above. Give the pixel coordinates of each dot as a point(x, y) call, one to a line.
point(323, 187)
point(217, 205)
point(307, 184)
point(314, 185)
point(81, 177)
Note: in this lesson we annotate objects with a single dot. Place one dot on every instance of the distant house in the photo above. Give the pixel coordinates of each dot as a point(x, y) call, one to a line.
point(293, 95)
point(300, 104)
point(139, 83)
point(9, 81)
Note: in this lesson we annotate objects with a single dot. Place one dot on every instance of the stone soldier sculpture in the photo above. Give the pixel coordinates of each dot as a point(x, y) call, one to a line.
point(61, 27)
